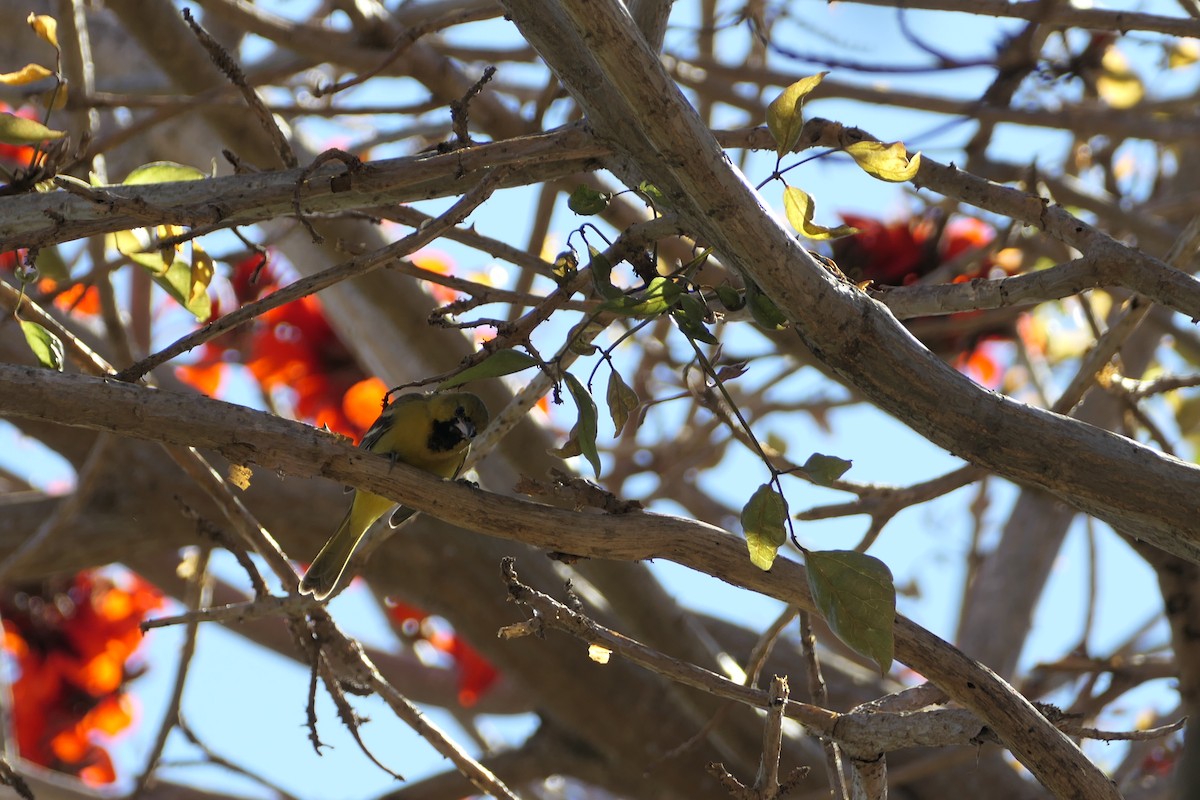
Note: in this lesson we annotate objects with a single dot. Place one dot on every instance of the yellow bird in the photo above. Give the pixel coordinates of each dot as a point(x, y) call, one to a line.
point(429, 431)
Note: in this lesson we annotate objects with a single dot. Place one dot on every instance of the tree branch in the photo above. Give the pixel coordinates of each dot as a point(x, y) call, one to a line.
point(246, 436)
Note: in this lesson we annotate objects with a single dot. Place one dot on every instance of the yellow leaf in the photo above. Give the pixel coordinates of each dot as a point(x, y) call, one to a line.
point(888, 162)
point(240, 475)
point(599, 653)
point(1118, 85)
point(18, 130)
point(202, 275)
point(54, 99)
point(30, 73)
point(162, 172)
point(763, 520)
point(1183, 53)
point(46, 27)
point(784, 120)
point(799, 208)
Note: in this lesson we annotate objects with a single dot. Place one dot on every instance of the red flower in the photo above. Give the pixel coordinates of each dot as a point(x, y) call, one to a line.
point(71, 643)
point(292, 348)
point(475, 674)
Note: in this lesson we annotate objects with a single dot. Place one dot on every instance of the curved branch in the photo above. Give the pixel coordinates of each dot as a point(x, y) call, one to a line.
point(41, 220)
point(246, 436)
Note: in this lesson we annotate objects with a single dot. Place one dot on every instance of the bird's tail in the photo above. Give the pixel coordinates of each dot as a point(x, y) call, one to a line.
point(326, 569)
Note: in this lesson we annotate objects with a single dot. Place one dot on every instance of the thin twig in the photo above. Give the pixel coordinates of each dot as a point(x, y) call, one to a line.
point(352, 268)
point(198, 592)
point(226, 63)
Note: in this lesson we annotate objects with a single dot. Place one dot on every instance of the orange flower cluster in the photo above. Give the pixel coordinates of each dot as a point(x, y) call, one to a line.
point(475, 674)
point(291, 347)
point(71, 642)
point(899, 253)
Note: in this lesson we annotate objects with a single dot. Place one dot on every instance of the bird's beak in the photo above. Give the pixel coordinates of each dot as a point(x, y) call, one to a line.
point(465, 427)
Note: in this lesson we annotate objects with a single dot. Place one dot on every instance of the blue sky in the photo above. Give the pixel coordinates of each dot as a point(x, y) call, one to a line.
point(249, 704)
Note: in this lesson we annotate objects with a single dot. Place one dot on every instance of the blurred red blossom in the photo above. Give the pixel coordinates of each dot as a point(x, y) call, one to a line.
point(72, 641)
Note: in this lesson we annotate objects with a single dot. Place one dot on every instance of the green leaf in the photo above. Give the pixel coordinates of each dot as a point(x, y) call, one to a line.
point(659, 296)
point(824, 470)
point(162, 172)
point(50, 264)
point(657, 198)
point(501, 362)
point(621, 399)
point(188, 284)
point(799, 208)
point(784, 119)
point(731, 298)
point(692, 307)
point(21, 131)
point(693, 328)
point(690, 317)
point(855, 594)
point(585, 429)
point(763, 520)
point(47, 348)
point(888, 162)
point(601, 269)
point(586, 201)
point(763, 309)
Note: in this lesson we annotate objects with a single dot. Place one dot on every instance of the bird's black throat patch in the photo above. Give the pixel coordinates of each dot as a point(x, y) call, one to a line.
point(448, 434)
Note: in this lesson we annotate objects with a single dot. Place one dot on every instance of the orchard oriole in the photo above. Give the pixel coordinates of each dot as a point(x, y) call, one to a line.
point(429, 431)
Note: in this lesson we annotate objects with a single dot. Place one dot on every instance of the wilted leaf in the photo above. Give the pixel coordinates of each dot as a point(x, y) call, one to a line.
point(47, 348)
point(46, 27)
point(763, 520)
point(784, 118)
point(30, 73)
point(570, 447)
point(733, 371)
point(587, 201)
point(824, 470)
point(799, 208)
point(855, 594)
point(621, 401)
point(888, 162)
point(501, 362)
point(18, 130)
point(585, 429)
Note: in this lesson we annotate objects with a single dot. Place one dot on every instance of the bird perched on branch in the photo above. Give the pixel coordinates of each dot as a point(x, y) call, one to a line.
point(428, 431)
